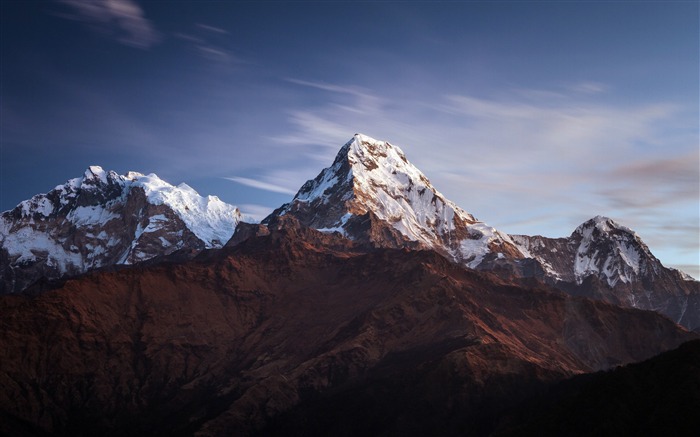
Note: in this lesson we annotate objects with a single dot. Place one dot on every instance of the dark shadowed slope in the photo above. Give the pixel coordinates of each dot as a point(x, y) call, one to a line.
point(660, 396)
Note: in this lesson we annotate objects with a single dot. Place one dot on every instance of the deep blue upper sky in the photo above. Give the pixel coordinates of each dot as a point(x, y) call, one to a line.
point(533, 116)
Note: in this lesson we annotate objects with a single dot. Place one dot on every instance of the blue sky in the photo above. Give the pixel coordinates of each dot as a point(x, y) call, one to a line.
point(533, 116)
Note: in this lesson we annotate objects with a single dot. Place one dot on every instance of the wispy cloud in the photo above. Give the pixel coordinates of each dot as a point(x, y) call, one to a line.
point(662, 182)
point(355, 91)
point(589, 87)
point(123, 20)
point(212, 28)
point(254, 213)
point(365, 99)
point(313, 129)
point(261, 185)
point(213, 53)
point(189, 38)
point(210, 43)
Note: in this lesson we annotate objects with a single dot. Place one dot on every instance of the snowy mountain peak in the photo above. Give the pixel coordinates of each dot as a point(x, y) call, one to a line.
point(103, 219)
point(368, 152)
point(609, 261)
point(94, 175)
point(602, 224)
point(374, 177)
point(95, 172)
point(610, 251)
point(133, 175)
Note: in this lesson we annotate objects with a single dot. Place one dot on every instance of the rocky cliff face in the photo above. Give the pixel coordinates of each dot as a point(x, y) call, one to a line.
point(229, 341)
point(105, 219)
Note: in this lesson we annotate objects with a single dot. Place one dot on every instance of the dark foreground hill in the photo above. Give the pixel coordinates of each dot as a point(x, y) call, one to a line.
point(280, 329)
point(660, 396)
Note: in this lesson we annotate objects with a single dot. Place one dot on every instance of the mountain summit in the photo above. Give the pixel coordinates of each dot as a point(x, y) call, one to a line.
point(600, 247)
point(605, 260)
point(373, 193)
point(102, 219)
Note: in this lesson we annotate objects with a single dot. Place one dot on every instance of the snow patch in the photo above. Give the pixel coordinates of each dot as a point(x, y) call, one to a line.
point(90, 215)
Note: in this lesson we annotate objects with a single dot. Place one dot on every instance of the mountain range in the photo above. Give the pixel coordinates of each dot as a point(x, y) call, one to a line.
point(369, 304)
point(281, 331)
point(373, 194)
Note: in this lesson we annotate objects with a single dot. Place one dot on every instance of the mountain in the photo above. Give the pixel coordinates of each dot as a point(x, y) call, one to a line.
point(104, 219)
point(373, 194)
point(300, 332)
point(605, 260)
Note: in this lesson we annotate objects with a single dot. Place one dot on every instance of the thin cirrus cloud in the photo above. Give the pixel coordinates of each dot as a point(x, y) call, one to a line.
point(213, 53)
point(589, 87)
point(213, 29)
point(122, 20)
point(254, 213)
point(572, 150)
point(553, 128)
point(329, 129)
point(363, 100)
point(261, 185)
point(664, 182)
point(209, 42)
point(507, 158)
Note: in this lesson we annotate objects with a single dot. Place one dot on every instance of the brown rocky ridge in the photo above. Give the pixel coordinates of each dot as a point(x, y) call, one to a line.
point(263, 333)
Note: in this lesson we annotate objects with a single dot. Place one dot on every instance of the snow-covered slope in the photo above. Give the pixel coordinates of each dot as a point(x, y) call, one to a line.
point(610, 251)
point(103, 219)
point(372, 192)
point(599, 247)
